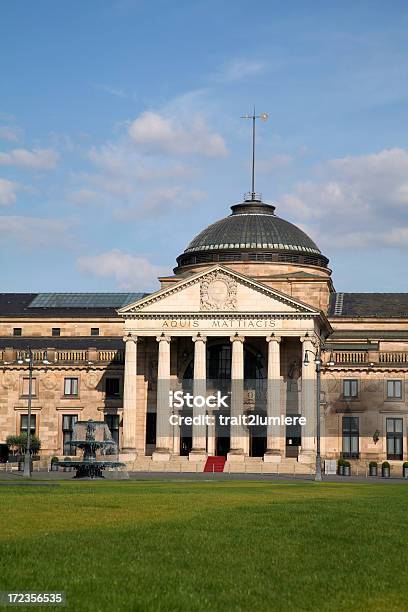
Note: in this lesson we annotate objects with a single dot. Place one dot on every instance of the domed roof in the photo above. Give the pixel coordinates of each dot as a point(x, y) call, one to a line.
point(252, 227)
point(252, 232)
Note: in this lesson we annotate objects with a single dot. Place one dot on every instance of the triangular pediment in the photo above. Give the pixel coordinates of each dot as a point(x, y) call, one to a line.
point(217, 290)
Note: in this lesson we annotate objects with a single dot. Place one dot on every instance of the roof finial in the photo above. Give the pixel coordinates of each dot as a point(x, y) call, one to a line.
point(264, 117)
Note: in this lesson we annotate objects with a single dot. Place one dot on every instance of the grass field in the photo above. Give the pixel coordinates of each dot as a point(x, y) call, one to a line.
point(190, 546)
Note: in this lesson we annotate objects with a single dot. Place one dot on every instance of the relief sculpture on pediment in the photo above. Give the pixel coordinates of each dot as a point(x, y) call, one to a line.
point(218, 291)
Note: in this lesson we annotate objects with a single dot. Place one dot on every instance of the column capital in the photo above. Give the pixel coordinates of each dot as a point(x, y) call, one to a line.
point(307, 339)
point(273, 338)
point(130, 337)
point(199, 337)
point(237, 338)
point(163, 338)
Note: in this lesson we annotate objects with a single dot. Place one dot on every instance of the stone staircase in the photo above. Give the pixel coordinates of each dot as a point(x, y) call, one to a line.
point(214, 464)
point(250, 465)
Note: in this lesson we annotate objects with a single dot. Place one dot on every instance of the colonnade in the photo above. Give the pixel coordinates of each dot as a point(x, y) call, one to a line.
point(200, 445)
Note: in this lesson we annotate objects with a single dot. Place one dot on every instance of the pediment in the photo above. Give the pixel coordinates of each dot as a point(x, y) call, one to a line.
point(217, 290)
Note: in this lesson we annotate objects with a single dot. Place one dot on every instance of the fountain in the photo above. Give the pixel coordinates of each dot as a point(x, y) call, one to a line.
point(92, 437)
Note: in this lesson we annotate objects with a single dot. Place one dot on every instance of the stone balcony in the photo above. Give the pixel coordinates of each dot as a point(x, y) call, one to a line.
point(91, 356)
point(369, 358)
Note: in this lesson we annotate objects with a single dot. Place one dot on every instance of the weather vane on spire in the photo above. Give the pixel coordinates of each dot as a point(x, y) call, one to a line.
point(254, 117)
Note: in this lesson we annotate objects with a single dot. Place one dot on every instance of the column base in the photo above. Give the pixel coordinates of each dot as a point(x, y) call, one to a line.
point(127, 455)
point(236, 455)
point(161, 454)
point(197, 454)
point(307, 456)
point(272, 456)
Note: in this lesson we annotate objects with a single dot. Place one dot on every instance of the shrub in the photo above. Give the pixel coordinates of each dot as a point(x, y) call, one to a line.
point(385, 464)
point(341, 462)
point(405, 464)
point(54, 459)
point(19, 443)
point(372, 464)
point(347, 464)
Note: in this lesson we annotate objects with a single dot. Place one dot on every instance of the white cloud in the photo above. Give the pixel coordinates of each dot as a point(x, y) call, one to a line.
point(134, 184)
point(113, 91)
point(37, 159)
point(241, 69)
point(130, 272)
point(359, 201)
point(151, 165)
point(158, 133)
point(120, 160)
point(10, 133)
point(8, 192)
point(35, 231)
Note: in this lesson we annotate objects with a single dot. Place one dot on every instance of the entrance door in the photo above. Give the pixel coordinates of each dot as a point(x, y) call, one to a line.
point(222, 437)
point(258, 439)
point(186, 435)
point(293, 439)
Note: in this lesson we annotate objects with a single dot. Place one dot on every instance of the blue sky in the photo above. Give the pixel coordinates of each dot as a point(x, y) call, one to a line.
point(121, 137)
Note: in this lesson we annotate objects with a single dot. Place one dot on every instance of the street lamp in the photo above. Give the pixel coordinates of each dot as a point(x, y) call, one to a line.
point(318, 364)
point(28, 358)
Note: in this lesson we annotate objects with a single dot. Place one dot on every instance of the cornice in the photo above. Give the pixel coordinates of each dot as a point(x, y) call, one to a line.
point(222, 315)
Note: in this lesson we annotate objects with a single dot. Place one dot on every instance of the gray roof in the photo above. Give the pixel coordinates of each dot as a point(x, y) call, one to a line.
point(253, 225)
point(360, 305)
point(60, 305)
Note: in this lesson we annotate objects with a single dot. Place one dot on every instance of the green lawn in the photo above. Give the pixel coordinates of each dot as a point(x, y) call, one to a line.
point(123, 546)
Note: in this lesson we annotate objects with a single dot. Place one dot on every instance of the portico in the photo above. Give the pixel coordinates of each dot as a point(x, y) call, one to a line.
point(251, 324)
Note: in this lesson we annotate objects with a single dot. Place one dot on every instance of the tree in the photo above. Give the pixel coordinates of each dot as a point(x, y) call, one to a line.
point(18, 444)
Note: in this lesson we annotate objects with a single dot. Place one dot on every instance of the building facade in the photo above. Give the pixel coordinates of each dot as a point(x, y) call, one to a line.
point(250, 305)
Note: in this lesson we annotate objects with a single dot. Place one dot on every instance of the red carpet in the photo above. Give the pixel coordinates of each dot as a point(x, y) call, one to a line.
point(214, 464)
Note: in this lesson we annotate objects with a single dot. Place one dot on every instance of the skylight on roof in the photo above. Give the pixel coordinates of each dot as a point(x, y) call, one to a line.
point(84, 300)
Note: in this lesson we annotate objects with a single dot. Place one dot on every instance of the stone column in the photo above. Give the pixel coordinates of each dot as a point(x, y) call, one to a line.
point(164, 442)
point(308, 450)
point(273, 446)
point(211, 432)
point(199, 389)
point(237, 432)
point(129, 394)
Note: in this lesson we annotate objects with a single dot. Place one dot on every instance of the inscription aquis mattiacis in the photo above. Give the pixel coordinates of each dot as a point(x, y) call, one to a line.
point(230, 323)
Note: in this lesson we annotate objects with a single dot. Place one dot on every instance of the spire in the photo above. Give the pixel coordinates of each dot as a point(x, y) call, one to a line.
point(252, 195)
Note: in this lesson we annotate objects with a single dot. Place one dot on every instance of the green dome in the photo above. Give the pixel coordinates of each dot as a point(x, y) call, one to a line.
point(252, 232)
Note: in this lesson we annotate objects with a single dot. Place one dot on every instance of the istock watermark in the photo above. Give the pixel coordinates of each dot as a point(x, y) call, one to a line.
point(180, 399)
point(246, 420)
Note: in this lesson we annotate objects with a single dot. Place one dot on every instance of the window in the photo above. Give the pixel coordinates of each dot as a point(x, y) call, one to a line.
point(68, 421)
point(56, 331)
point(70, 386)
point(219, 362)
point(350, 437)
point(94, 331)
point(24, 423)
point(394, 389)
point(26, 386)
point(17, 331)
point(112, 421)
point(394, 439)
point(350, 388)
point(112, 387)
